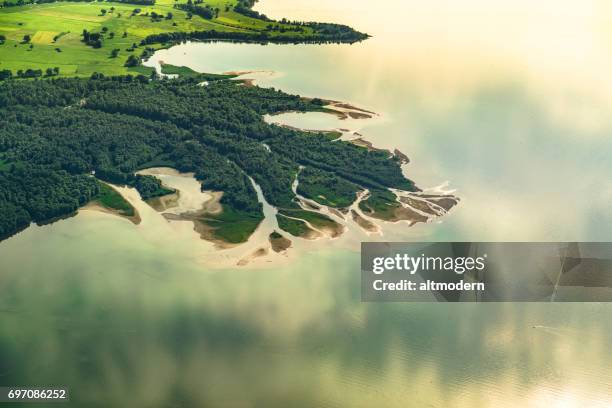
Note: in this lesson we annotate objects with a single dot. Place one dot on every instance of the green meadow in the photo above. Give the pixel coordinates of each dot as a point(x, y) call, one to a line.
point(111, 199)
point(186, 72)
point(55, 32)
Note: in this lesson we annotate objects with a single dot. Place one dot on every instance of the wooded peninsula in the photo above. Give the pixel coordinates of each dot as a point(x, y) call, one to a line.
point(60, 138)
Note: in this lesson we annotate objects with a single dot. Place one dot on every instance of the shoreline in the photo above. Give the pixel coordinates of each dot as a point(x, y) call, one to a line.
point(342, 110)
point(212, 206)
point(96, 206)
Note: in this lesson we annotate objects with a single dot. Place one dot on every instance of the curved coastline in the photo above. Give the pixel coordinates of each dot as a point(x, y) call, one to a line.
point(96, 206)
point(316, 223)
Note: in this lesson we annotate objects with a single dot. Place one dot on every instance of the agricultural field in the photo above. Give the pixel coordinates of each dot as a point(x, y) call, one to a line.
point(48, 35)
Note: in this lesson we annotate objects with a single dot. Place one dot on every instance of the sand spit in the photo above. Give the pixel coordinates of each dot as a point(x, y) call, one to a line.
point(348, 106)
point(312, 234)
point(188, 203)
point(337, 213)
point(403, 159)
point(96, 206)
point(257, 254)
point(249, 82)
point(364, 223)
point(333, 232)
point(344, 110)
point(239, 73)
point(344, 114)
point(446, 202)
point(210, 207)
point(205, 231)
point(367, 144)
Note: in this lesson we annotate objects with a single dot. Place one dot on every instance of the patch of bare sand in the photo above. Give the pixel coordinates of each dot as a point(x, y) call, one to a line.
point(163, 203)
point(363, 223)
point(336, 212)
point(258, 253)
point(210, 207)
point(333, 231)
point(213, 206)
point(96, 206)
point(312, 235)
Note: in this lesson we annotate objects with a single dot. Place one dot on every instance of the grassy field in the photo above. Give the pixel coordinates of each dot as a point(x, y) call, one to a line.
point(111, 199)
point(186, 72)
point(55, 31)
point(296, 228)
point(233, 226)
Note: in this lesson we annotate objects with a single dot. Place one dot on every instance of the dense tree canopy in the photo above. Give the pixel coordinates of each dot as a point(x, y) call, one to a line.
point(55, 135)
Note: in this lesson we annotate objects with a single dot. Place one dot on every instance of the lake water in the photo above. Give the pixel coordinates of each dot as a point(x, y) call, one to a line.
point(506, 103)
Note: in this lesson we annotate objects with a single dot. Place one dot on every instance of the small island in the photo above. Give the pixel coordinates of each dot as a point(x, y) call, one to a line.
point(278, 242)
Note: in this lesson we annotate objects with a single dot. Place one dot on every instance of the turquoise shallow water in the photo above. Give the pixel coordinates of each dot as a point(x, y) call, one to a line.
point(484, 97)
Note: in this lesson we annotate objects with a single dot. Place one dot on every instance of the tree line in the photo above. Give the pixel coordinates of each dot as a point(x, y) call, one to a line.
point(327, 36)
point(18, 3)
point(6, 74)
point(206, 11)
point(245, 7)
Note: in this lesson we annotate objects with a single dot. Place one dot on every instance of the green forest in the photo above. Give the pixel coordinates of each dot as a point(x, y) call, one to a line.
point(59, 136)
